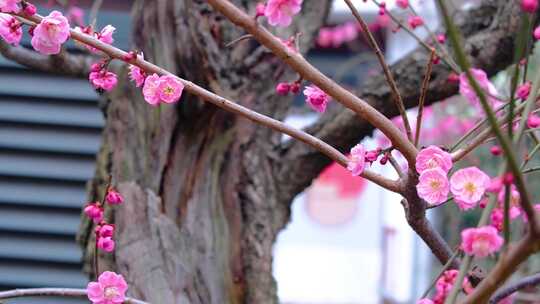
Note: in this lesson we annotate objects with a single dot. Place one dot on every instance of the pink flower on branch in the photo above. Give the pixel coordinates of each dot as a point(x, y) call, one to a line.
point(109, 289)
point(103, 79)
point(433, 186)
point(51, 33)
point(280, 12)
point(481, 242)
point(94, 211)
point(10, 29)
point(10, 6)
point(316, 98)
point(158, 89)
point(114, 198)
point(468, 186)
point(415, 21)
point(106, 244)
point(402, 3)
point(529, 6)
point(433, 157)
point(357, 160)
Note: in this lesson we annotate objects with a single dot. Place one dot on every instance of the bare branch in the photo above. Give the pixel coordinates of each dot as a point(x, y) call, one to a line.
point(54, 292)
point(63, 63)
point(523, 283)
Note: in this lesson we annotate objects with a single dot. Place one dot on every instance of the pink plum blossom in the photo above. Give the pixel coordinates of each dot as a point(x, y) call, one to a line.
point(75, 15)
point(433, 186)
point(137, 75)
point(415, 21)
point(114, 198)
point(103, 79)
point(51, 33)
point(158, 89)
point(283, 88)
point(433, 157)
point(444, 285)
point(523, 90)
point(468, 186)
point(316, 98)
point(536, 33)
point(481, 241)
point(30, 9)
point(468, 92)
point(529, 6)
point(94, 212)
point(357, 160)
point(515, 198)
point(10, 6)
point(402, 3)
point(170, 89)
point(10, 29)
point(109, 289)
point(106, 244)
point(533, 121)
point(105, 230)
point(280, 12)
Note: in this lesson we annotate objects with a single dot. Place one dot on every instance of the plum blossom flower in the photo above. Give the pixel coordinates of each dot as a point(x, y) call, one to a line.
point(105, 230)
point(444, 285)
point(468, 186)
point(515, 197)
point(114, 198)
point(316, 98)
point(415, 21)
point(51, 33)
point(529, 6)
point(433, 186)
point(10, 6)
point(109, 289)
point(94, 212)
point(75, 15)
point(533, 121)
point(106, 244)
point(137, 75)
point(10, 29)
point(357, 160)
point(402, 3)
point(468, 92)
point(481, 241)
point(158, 89)
point(433, 157)
point(103, 79)
point(280, 12)
point(523, 90)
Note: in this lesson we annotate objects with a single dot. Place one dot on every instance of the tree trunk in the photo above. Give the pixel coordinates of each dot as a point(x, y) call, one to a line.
point(203, 207)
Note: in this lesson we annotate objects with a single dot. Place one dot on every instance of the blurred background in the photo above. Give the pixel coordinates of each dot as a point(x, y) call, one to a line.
point(347, 242)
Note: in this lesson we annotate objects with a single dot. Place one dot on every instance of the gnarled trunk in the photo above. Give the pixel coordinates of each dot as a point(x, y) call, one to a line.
point(203, 207)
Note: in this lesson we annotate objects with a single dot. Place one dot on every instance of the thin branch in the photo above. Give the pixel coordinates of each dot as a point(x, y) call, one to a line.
point(241, 38)
point(54, 292)
point(63, 63)
point(298, 63)
point(398, 101)
point(523, 283)
point(423, 93)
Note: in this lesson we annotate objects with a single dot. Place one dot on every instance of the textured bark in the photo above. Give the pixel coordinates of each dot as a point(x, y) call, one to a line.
point(202, 204)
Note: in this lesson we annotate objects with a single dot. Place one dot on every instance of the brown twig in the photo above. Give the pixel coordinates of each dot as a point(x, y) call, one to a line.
point(298, 63)
point(235, 41)
point(398, 101)
point(526, 282)
point(423, 94)
point(233, 107)
point(54, 292)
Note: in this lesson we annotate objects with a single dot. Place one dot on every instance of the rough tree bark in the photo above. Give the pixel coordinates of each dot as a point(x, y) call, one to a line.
point(207, 192)
point(203, 207)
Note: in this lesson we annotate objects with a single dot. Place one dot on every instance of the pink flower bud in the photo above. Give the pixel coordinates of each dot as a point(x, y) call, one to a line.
point(30, 9)
point(114, 198)
point(105, 244)
point(441, 38)
point(259, 10)
point(508, 178)
point(283, 88)
point(529, 6)
point(295, 88)
point(536, 33)
point(453, 78)
point(415, 21)
point(524, 90)
point(533, 121)
point(402, 3)
point(105, 230)
point(94, 212)
point(496, 150)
